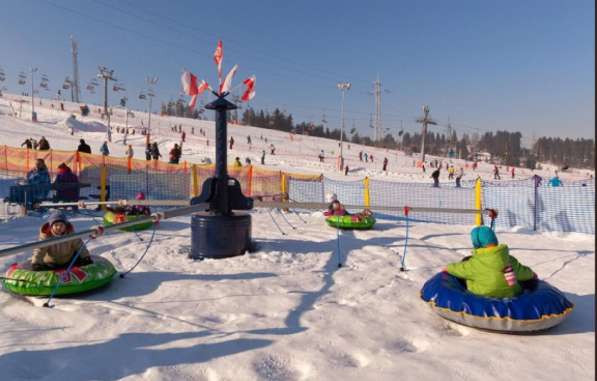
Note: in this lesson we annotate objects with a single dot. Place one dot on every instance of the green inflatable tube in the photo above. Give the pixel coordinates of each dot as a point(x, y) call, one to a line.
point(110, 218)
point(346, 222)
point(22, 280)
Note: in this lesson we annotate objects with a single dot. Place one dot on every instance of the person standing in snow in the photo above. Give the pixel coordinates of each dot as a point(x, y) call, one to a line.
point(83, 147)
point(148, 152)
point(321, 156)
point(43, 144)
point(183, 136)
point(263, 157)
point(435, 177)
point(555, 181)
point(231, 143)
point(496, 173)
point(129, 152)
point(512, 172)
point(175, 154)
point(104, 149)
point(27, 143)
point(155, 151)
point(385, 165)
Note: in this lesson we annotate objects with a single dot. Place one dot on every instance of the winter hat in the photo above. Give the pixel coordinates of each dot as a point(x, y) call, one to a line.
point(57, 216)
point(140, 196)
point(331, 197)
point(481, 236)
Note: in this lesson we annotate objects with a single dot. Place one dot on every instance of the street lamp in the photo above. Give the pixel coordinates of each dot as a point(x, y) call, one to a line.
point(343, 87)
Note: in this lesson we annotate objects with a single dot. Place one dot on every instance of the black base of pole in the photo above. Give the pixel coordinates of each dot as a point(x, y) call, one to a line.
point(220, 236)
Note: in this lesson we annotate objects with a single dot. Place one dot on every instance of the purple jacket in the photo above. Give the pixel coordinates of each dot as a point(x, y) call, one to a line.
point(67, 186)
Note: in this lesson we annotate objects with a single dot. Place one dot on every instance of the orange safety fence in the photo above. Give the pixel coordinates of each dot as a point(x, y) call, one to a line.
point(255, 181)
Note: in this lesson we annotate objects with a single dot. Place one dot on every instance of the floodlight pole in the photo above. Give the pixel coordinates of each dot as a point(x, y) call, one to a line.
point(33, 117)
point(343, 87)
point(106, 75)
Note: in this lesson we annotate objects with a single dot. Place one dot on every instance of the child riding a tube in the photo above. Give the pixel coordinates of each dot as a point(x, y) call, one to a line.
point(60, 254)
point(131, 210)
point(139, 210)
point(336, 208)
point(491, 271)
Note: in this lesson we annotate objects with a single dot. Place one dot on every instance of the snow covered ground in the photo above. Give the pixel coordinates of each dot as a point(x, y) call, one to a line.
point(285, 312)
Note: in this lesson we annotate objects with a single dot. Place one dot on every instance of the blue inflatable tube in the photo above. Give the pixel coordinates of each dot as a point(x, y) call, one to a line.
point(536, 309)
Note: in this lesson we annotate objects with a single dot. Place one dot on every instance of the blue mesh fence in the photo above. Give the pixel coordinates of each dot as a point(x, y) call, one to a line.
point(155, 185)
point(568, 208)
point(348, 192)
point(386, 193)
point(305, 190)
point(514, 201)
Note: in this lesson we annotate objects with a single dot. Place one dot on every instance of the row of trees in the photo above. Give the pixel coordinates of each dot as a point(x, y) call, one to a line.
point(505, 147)
point(181, 109)
point(578, 153)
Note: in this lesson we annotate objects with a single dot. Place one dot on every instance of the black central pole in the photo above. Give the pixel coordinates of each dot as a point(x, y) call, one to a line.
point(221, 204)
point(218, 232)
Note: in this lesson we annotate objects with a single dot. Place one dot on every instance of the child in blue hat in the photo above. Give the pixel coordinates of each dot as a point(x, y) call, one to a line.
point(491, 271)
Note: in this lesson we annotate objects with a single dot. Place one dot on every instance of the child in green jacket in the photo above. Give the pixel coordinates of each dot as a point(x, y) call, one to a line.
point(491, 271)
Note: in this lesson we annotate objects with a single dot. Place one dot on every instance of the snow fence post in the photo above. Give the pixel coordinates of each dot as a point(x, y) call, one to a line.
point(366, 195)
point(103, 183)
point(195, 180)
point(250, 181)
point(535, 214)
point(478, 203)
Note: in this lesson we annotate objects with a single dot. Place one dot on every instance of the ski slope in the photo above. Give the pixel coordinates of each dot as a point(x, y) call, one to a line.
point(285, 312)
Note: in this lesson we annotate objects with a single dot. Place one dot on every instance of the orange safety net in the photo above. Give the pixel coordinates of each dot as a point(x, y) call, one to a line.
point(255, 181)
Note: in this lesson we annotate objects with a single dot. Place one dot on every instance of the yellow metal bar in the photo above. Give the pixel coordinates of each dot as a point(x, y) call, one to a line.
point(283, 183)
point(366, 195)
point(478, 203)
point(103, 183)
point(195, 180)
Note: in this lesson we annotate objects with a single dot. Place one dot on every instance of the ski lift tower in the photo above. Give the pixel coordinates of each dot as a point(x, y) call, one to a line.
point(425, 122)
point(75, 91)
point(107, 75)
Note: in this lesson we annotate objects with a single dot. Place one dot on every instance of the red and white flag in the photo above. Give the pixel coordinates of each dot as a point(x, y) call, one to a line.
point(225, 86)
point(249, 89)
point(189, 83)
point(192, 87)
point(218, 56)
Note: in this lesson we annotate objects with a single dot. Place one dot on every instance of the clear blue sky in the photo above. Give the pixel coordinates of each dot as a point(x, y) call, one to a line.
point(513, 65)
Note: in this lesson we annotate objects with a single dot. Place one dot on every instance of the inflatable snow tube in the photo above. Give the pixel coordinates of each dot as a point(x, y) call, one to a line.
point(346, 222)
point(22, 280)
point(536, 309)
point(111, 218)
